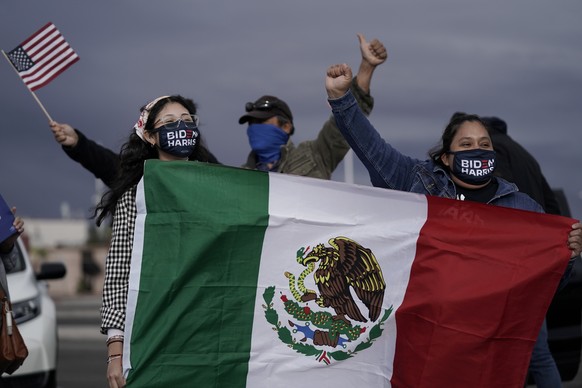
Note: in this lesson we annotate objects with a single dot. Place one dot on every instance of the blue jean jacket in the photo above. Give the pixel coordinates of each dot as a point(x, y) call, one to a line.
point(390, 169)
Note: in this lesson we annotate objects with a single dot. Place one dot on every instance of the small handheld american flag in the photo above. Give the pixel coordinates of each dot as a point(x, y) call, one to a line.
point(42, 57)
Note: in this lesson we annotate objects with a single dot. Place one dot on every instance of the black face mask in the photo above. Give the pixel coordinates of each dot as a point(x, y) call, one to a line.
point(180, 142)
point(474, 167)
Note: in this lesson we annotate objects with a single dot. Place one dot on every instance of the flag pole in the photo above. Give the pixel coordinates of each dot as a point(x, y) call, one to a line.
point(31, 92)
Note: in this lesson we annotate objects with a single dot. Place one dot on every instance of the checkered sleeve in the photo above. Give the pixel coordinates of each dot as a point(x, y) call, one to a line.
point(117, 264)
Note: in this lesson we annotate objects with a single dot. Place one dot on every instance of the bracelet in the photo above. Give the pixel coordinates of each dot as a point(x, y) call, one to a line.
point(113, 357)
point(114, 338)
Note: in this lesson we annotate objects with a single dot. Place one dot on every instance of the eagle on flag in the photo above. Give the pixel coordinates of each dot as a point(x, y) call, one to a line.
point(343, 265)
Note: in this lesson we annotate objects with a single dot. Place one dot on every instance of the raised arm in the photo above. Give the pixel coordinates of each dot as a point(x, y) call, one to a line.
point(387, 167)
point(100, 161)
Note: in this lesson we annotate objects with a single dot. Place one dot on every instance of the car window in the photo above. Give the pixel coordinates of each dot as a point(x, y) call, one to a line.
point(20, 265)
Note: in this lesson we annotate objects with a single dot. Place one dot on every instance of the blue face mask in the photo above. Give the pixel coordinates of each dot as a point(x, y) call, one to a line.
point(266, 141)
point(474, 167)
point(179, 142)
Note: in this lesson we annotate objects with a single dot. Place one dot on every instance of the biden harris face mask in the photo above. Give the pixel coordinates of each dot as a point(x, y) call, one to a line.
point(180, 142)
point(474, 167)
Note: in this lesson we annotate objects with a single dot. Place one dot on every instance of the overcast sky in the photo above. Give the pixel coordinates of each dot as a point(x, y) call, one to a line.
point(520, 60)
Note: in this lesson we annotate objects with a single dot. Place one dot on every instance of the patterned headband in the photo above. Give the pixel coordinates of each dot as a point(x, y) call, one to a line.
point(143, 117)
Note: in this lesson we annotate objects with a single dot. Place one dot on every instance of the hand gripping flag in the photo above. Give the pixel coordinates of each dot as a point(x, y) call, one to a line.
point(42, 57)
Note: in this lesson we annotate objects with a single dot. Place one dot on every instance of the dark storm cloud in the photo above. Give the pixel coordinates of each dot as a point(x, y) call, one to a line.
point(518, 60)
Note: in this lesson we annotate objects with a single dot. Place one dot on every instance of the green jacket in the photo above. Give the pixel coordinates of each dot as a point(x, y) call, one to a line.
point(317, 158)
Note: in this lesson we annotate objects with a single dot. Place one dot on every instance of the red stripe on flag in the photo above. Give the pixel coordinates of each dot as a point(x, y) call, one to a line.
point(479, 289)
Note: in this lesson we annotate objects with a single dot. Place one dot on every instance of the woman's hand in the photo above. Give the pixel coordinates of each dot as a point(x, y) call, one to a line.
point(115, 371)
point(64, 134)
point(575, 239)
point(338, 80)
point(7, 245)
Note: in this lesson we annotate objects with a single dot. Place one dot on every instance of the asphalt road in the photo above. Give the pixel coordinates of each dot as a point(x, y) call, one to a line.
point(82, 351)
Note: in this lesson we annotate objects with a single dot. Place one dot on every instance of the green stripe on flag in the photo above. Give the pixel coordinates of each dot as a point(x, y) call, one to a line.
point(214, 299)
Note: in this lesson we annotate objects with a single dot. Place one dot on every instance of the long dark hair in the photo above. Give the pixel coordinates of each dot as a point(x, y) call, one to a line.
point(457, 119)
point(135, 151)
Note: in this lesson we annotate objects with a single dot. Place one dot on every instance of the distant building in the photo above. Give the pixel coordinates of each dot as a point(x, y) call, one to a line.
point(56, 233)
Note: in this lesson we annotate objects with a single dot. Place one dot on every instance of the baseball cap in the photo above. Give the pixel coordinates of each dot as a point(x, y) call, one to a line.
point(266, 107)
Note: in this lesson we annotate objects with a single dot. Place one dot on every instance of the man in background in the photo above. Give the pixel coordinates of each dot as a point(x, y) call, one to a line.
point(270, 126)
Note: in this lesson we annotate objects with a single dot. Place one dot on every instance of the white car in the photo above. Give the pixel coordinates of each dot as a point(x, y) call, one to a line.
point(35, 314)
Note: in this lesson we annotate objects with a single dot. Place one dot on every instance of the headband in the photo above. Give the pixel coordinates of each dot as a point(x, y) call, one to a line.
point(143, 117)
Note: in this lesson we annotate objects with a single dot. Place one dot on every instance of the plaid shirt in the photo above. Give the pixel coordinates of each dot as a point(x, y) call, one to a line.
point(117, 263)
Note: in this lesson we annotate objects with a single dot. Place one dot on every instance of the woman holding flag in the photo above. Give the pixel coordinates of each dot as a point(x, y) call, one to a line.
point(460, 168)
point(167, 129)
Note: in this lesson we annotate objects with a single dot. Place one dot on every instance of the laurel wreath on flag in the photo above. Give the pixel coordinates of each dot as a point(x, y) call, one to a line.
point(285, 336)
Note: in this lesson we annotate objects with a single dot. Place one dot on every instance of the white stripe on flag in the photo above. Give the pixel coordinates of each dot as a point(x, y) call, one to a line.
point(363, 214)
point(134, 274)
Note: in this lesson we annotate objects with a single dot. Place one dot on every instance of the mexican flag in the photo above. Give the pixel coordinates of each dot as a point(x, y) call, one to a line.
point(242, 278)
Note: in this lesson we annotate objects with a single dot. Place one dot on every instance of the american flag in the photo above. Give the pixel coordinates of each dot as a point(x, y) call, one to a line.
point(42, 57)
